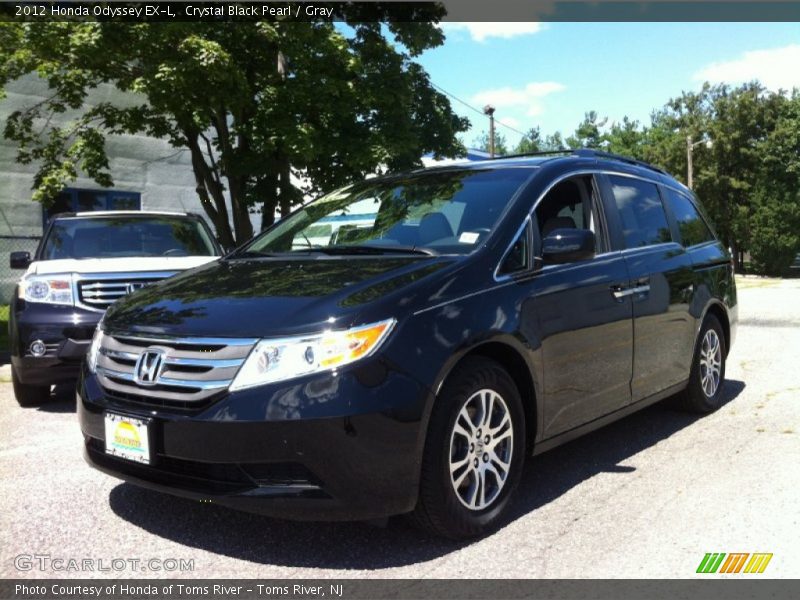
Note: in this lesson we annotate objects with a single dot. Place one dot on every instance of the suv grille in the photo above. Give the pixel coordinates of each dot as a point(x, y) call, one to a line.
point(190, 372)
point(102, 293)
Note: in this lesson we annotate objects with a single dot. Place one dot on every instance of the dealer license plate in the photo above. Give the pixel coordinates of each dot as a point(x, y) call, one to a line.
point(127, 437)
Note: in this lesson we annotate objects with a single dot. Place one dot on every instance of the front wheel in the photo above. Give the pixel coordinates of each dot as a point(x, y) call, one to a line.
point(29, 395)
point(474, 452)
point(703, 394)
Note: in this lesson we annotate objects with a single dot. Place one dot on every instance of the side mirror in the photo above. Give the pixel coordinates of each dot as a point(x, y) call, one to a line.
point(19, 260)
point(568, 245)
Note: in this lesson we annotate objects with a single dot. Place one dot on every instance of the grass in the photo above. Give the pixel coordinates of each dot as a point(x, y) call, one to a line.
point(4, 328)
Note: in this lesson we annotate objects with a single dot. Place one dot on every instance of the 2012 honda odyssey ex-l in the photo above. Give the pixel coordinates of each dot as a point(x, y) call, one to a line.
point(403, 344)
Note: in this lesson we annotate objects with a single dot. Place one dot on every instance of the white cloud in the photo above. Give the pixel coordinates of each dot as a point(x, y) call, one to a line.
point(480, 32)
point(776, 68)
point(528, 98)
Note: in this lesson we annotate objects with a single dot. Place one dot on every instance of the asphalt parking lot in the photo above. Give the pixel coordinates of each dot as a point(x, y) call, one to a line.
point(645, 497)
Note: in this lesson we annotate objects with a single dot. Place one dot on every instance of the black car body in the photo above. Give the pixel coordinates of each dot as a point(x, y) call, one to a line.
point(579, 297)
point(97, 257)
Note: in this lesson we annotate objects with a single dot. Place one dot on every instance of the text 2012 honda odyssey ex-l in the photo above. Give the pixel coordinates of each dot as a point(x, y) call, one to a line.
point(403, 344)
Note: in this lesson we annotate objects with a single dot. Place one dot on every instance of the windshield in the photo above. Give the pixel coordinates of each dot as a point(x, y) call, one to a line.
point(126, 236)
point(446, 212)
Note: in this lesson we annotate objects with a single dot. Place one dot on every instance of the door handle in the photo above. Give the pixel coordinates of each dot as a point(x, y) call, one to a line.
point(621, 291)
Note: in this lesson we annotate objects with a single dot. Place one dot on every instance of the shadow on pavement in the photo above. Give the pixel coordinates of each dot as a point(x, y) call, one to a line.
point(62, 400)
point(360, 546)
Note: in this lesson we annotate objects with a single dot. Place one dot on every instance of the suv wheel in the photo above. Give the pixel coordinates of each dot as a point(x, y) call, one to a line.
point(473, 453)
point(707, 379)
point(29, 395)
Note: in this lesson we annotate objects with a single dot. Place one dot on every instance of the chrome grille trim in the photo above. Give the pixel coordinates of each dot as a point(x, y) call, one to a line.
point(168, 381)
point(98, 291)
point(193, 370)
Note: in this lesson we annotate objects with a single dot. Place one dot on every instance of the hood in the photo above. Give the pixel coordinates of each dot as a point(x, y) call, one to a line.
point(273, 296)
point(132, 264)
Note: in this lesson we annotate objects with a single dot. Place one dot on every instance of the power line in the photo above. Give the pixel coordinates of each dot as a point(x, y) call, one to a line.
point(477, 110)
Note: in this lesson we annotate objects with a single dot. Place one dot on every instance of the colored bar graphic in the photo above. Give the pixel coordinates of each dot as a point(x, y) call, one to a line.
point(734, 562)
point(758, 563)
point(712, 562)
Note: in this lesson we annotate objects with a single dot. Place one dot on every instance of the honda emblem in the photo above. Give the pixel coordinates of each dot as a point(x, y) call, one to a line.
point(148, 367)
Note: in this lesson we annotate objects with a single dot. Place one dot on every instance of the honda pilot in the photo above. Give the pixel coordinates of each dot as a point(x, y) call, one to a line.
point(84, 263)
point(458, 320)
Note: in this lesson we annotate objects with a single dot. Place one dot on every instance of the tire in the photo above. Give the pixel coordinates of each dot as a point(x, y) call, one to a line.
point(441, 509)
point(704, 392)
point(29, 395)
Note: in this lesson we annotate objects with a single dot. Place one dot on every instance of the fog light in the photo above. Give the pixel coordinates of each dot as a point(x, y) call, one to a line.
point(38, 348)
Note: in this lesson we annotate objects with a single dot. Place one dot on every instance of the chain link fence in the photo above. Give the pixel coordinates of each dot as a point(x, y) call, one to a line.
point(8, 276)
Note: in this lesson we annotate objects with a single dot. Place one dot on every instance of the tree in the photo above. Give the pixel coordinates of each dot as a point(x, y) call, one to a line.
point(626, 138)
point(253, 103)
point(530, 142)
point(482, 143)
point(587, 134)
point(775, 220)
point(554, 142)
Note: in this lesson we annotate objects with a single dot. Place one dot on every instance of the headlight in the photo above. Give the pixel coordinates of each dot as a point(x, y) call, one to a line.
point(56, 289)
point(94, 349)
point(280, 359)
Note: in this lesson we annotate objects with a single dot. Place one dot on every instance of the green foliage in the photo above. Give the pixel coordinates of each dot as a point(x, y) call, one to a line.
point(500, 145)
point(530, 142)
point(775, 234)
point(253, 103)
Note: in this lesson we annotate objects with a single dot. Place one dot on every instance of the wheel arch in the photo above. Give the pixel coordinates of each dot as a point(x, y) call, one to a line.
point(508, 353)
point(718, 309)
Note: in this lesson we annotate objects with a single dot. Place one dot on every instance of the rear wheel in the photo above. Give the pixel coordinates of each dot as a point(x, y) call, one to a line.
point(474, 452)
point(703, 394)
point(29, 395)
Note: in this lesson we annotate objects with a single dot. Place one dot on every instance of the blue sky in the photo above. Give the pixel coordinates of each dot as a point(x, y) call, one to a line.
point(549, 74)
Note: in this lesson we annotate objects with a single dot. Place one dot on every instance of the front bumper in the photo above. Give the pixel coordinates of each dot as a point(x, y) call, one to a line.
point(67, 333)
point(322, 447)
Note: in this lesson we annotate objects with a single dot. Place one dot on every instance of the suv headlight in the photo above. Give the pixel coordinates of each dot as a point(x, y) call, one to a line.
point(53, 289)
point(280, 359)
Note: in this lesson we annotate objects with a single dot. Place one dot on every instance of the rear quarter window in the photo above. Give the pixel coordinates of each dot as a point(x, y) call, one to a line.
point(644, 222)
point(692, 227)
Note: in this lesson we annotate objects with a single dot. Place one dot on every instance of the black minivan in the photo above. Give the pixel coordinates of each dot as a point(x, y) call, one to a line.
point(402, 344)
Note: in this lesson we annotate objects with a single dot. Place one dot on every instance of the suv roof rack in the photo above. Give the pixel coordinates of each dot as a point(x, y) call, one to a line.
point(591, 152)
point(587, 153)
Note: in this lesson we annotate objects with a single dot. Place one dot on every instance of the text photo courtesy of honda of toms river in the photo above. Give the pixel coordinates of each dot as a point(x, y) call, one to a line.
point(401, 345)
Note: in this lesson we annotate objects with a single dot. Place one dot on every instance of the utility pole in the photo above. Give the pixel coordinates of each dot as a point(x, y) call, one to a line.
point(690, 157)
point(489, 110)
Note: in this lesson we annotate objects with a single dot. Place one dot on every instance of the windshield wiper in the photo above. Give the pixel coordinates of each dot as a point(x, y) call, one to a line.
point(369, 249)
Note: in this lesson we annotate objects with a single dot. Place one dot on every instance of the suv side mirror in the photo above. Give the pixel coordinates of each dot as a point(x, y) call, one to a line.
point(19, 260)
point(568, 245)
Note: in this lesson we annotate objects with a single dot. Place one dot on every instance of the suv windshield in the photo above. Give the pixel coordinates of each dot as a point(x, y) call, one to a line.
point(446, 212)
point(125, 236)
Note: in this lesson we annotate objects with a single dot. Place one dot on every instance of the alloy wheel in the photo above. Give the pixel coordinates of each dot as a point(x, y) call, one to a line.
point(481, 445)
point(710, 363)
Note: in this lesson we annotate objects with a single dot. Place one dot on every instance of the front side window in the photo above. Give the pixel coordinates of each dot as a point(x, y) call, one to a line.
point(644, 222)
point(693, 228)
point(119, 237)
point(571, 204)
point(446, 212)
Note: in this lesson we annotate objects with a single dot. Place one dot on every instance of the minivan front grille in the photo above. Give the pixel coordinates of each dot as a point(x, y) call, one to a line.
point(102, 293)
point(189, 373)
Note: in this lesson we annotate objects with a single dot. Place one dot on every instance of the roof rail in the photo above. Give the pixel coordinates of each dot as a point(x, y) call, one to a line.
point(539, 153)
point(587, 153)
point(592, 153)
